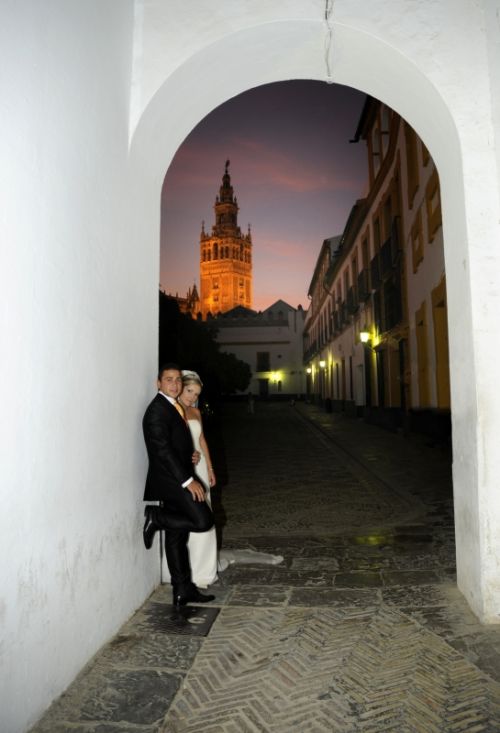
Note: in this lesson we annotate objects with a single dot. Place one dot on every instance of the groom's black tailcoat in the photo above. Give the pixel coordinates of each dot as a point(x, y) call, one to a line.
point(170, 448)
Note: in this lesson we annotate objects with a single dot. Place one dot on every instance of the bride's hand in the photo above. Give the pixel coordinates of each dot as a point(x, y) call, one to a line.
point(211, 477)
point(196, 457)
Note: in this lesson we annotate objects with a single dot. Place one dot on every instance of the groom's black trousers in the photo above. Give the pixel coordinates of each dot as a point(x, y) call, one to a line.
point(178, 516)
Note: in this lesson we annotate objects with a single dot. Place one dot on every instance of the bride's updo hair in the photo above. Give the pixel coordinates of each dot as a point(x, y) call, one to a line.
point(188, 377)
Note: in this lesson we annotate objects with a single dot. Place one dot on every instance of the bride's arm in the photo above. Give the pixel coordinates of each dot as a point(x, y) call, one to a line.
point(206, 453)
point(190, 413)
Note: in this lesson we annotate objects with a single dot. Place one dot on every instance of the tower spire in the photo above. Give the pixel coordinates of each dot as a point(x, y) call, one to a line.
point(225, 256)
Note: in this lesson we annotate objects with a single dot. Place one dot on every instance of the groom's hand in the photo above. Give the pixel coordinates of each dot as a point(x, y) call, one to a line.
point(197, 491)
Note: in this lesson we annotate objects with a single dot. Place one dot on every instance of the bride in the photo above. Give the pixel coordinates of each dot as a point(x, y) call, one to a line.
point(202, 545)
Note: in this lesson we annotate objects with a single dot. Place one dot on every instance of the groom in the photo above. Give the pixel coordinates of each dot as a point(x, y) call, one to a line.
point(171, 481)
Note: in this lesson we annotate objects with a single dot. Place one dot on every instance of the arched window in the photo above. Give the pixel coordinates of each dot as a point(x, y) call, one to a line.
point(227, 253)
point(203, 256)
point(216, 251)
point(209, 255)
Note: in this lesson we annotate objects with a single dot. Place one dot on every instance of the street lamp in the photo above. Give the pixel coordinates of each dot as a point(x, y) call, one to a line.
point(322, 365)
point(365, 338)
point(308, 382)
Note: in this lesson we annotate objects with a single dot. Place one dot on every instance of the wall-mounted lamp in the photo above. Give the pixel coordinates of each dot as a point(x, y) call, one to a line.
point(322, 364)
point(364, 336)
point(308, 370)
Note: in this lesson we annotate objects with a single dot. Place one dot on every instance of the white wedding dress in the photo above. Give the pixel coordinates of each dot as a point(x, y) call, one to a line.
point(202, 546)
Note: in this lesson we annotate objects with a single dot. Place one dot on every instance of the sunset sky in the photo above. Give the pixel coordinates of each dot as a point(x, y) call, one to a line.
point(294, 173)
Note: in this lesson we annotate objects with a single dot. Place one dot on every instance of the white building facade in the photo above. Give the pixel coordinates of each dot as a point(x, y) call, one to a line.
point(270, 342)
point(96, 98)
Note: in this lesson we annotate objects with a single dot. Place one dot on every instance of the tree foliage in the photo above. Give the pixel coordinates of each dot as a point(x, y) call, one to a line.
point(192, 345)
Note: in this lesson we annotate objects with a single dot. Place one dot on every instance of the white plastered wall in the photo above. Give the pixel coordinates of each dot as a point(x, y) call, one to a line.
point(79, 275)
point(78, 340)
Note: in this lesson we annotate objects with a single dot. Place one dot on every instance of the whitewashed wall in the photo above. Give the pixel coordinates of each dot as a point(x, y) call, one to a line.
point(427, 60)
point(78, 339)
point(284, 345)
point(79, 274)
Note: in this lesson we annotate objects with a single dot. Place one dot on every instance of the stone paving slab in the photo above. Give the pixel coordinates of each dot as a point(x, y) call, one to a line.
point(114, 696)
point(138, 650)
point(51, 726)
point(160, 618)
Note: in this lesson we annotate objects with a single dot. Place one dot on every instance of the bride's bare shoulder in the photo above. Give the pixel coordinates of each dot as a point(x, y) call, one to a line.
point(192, 413)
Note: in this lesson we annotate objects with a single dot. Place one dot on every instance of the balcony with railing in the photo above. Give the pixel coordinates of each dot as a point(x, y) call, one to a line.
point(311, 351)
point(375, 273)
point(352, 302)
point(363, 286)
point(393, 311)
point(377, 311)
point(389, 252)
point(336, 322)
point(387, 306)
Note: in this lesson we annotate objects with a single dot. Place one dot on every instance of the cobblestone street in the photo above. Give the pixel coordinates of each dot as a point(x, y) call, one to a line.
point(361, 628)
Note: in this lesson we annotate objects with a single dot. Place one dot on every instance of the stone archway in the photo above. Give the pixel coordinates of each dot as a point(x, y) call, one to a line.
point(386, 62)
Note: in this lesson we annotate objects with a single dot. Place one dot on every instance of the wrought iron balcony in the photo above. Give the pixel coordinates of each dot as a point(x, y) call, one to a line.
point(352, 302)
point(375, 273)
point(363, 286)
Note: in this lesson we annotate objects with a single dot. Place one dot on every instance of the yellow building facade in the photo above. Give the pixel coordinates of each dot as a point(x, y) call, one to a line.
point(225, 257)
point(376, 336)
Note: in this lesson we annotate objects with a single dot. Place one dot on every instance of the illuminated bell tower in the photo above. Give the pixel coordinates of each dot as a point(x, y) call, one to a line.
point(225, 257)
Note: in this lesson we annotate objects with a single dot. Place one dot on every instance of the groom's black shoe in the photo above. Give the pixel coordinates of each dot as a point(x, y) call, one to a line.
point(192, 595)
point(150, 526)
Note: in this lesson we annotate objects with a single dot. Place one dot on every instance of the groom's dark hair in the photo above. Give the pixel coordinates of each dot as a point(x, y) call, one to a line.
point(165, 367)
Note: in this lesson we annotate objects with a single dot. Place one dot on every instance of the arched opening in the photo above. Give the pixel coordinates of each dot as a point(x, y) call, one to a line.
point(189, 94)
point(385, 212)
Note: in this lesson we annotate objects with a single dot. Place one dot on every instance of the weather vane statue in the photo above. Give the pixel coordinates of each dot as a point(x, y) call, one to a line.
point(227, 164)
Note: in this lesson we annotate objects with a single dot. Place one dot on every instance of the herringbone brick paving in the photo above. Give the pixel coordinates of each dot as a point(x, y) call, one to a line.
point(360, 630)
point(330, 670)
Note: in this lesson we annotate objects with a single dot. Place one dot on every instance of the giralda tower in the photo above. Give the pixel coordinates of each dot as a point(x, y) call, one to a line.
point(225, 257)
